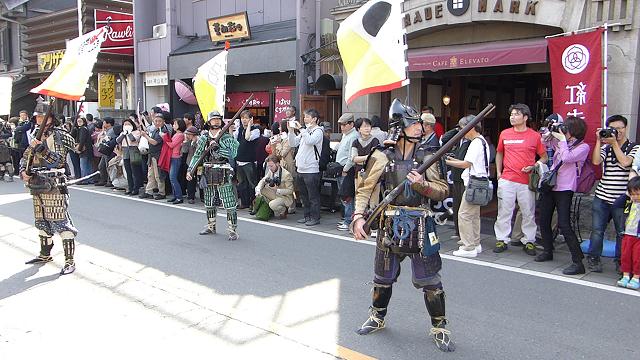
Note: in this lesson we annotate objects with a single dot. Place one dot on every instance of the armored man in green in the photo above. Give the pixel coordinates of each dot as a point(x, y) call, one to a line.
point(217, 173)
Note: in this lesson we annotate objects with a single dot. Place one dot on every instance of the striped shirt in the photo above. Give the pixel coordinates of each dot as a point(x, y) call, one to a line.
point(614, 177)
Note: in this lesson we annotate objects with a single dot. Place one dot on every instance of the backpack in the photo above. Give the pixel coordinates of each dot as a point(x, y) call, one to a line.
point(586, 177)
point(324, 157)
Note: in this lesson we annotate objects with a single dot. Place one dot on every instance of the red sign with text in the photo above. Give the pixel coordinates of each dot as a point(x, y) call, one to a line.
point(120, 38)
point(283, 101)
point(576, 76)
point(235, 100)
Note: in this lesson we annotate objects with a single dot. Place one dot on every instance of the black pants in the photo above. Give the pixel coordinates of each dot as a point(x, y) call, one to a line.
point(309, 189)
point(457, 190)
point(191, 188)
point(247, 183)
point(102, 167)
point(134, 175)
point(561, 201)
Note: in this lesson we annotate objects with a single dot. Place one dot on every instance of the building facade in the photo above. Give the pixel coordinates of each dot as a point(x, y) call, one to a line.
point(173, 39)
point(472, 52)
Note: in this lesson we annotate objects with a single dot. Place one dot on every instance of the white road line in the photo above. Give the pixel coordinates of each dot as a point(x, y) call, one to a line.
point(539, 274)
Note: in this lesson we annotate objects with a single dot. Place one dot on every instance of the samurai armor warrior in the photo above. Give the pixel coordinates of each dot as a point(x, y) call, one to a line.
point(6, 161)
point(406, 228)
point(46, 163)
point(216, 180)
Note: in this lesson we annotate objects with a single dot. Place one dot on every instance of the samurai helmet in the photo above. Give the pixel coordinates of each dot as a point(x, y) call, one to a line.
point(215, 115)
point(42, 107)
point(402, 116)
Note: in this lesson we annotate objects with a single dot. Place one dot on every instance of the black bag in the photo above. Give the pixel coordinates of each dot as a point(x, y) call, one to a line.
point(334, 170)
point(107, 146)
point(549, 180)
point(324, 157)
point(480, 189)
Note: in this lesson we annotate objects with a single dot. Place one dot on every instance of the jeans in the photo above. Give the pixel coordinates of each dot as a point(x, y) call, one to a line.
point(309, 188)
point(86, 168)
point(75, 162)
point(174, 170)
point(561, 201)
point(601, 213)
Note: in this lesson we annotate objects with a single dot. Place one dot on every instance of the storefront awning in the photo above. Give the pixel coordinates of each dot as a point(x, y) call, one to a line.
point(511, 52)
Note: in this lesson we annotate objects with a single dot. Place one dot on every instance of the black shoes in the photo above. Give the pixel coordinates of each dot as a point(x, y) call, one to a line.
point(575, 269)
point(530, 249)
point(145, 196)
point(544, 256)
point(594, 264)
point(501, 246)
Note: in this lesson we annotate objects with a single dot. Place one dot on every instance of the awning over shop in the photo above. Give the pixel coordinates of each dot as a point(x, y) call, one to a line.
point(511, 52)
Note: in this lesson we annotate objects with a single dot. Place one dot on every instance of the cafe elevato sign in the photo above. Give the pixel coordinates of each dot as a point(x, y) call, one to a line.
point(429, 13)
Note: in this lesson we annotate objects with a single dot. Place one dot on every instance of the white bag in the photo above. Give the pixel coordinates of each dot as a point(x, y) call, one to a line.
point(143, 145)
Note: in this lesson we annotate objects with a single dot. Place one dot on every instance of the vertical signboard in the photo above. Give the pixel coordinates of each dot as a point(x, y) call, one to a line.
point(106, 90)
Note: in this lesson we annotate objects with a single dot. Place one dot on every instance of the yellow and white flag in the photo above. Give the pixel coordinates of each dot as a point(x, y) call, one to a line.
point(69, 80)
point(210, 84)
point(372, 47)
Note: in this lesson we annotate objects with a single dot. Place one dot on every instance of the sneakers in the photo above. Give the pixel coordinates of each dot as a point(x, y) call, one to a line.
point(574, 269)
point(312, 222)
point(479, 248)
point(465, 253)
point(501, 246)
point(343, 227)
point(143, 196)
point(623, 282)
point(159, 197)
point(530, 249)
point(594, 264)
point(633, 284)
point(303, 220)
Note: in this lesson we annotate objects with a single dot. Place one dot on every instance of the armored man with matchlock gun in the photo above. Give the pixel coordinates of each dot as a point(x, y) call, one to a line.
point(43, 170)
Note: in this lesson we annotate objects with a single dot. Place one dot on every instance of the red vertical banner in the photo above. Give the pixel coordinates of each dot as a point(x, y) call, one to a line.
point(576, 77)
point(283, 100)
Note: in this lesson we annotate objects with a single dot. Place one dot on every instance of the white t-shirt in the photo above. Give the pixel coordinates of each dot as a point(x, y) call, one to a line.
point(475, 155)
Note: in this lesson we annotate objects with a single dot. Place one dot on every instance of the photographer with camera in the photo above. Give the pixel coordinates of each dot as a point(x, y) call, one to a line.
point(615, 152)
point(570, 153)
point(276, 187)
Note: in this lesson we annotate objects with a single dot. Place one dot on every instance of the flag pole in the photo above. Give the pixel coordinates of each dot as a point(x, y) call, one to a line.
point(605, 69)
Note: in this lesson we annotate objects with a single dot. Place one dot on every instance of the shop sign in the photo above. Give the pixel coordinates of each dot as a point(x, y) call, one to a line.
point(106, 90)
point(48, 61)
point(236, 100)
point(283, 101)
point(120, 37)
point(230, 27)
point(445, 11)
point(576, 78)
point(156, 78)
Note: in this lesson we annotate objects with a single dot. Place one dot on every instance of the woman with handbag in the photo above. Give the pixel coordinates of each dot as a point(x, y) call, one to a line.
point(128, 141)
point(175, 144)
point(558, 185)
point(478, 191)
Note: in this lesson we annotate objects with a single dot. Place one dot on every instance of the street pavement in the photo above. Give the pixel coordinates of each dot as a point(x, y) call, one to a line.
point(148, 286)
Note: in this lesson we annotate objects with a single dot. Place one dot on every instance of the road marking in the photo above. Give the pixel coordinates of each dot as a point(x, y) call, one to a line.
point(539, 274)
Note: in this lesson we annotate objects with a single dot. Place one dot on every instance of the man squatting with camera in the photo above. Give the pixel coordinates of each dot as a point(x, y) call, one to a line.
point(276, 187)
point(43, 169)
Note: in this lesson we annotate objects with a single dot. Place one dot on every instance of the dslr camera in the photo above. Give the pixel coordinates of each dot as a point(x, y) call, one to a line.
point(553, 126)
point(274, 181)
point(608, 132)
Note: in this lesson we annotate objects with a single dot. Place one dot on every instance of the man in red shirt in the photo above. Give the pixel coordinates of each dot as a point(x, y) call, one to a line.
point(515, 159)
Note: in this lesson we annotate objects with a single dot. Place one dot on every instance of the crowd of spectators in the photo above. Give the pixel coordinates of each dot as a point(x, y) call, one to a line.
point(280, 169)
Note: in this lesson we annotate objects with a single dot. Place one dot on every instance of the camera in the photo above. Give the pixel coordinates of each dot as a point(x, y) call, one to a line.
point(553, 126)
point(608, 132)
point(274, 181)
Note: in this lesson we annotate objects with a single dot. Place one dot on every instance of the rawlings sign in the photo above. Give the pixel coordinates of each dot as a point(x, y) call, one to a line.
point(576, 76)
point(120, 38)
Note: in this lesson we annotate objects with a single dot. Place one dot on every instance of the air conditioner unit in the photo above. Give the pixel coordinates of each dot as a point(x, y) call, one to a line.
point(159, 31)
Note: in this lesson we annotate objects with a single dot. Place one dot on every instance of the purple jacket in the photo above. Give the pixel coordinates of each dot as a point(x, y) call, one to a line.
point(572, 159)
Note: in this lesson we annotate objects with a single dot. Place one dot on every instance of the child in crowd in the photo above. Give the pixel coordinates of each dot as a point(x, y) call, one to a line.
point(630, 259)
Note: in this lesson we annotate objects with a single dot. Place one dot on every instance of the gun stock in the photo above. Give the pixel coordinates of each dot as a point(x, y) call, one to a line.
point(222, 131)
point(377, 211)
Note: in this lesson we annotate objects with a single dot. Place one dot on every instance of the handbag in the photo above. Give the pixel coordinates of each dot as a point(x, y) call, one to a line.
point(549, 180)
point(480, 189)
point(134, 156)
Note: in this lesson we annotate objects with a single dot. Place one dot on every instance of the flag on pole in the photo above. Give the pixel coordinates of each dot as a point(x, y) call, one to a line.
point(373, 50)
point(69, 80)
point(210, 84)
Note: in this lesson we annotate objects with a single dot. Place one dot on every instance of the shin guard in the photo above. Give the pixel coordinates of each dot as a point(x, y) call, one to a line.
point(69, 250)
point(434, 299)
point(377, 311)
point(46, 244)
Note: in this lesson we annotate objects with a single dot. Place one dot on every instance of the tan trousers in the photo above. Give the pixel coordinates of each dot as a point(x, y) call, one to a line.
point(276, 203)
point(154, 179)
point(469, 224)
